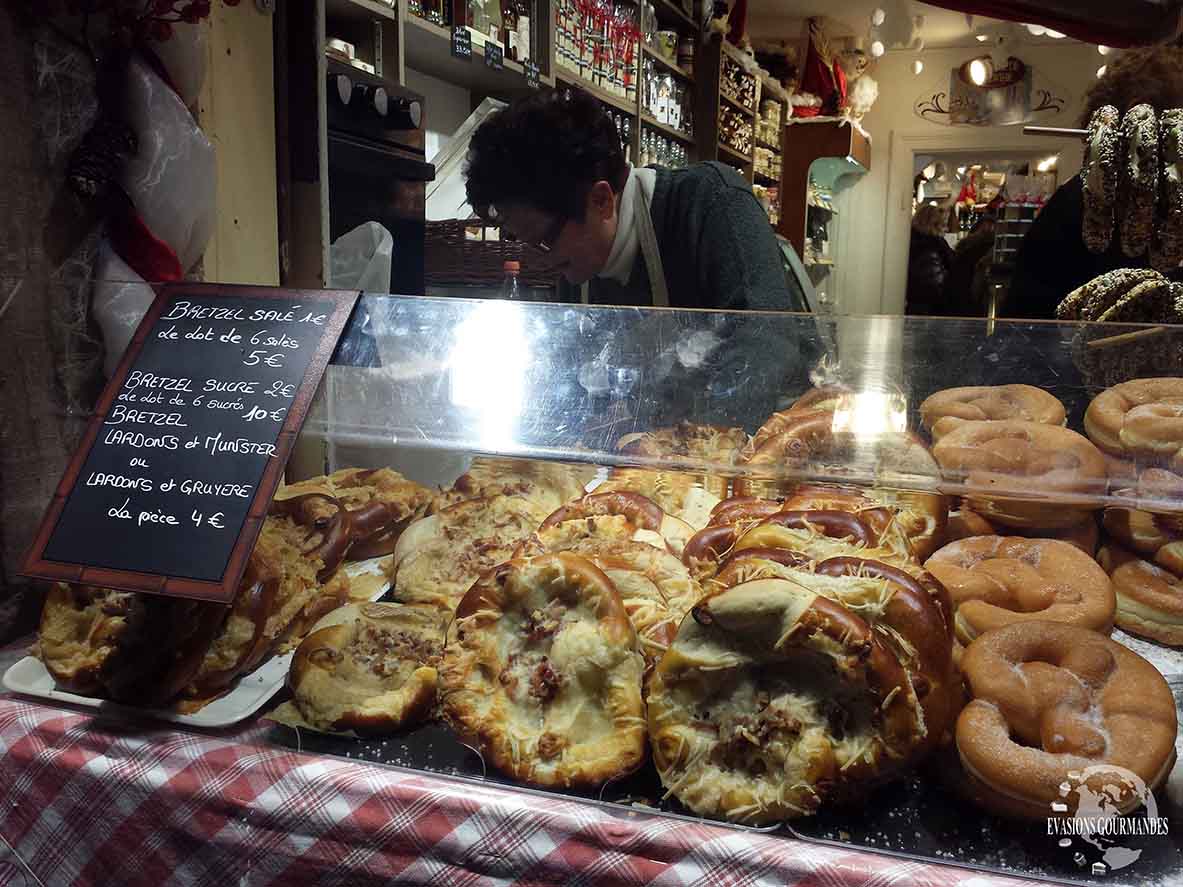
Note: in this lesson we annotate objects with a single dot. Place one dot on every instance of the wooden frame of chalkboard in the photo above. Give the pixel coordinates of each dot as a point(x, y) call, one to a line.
point(338, 306)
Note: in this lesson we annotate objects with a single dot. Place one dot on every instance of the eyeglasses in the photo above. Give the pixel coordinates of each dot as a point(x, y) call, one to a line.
point(548, 240)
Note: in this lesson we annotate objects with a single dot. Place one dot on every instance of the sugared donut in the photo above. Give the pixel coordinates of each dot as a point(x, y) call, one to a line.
point(1155, 537)
point(996, 581)
point(1149, 598)
point(965, 523)
point(1099, 177)
point(1050, 701)
point(948, 409)
point(1141, 419)
point(1024, 474)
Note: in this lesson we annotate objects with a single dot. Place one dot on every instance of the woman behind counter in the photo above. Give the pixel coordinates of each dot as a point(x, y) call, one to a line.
point(930, 261)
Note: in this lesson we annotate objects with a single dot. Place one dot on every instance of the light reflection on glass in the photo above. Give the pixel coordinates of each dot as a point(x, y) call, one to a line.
point(488, 368)
point(868, 413)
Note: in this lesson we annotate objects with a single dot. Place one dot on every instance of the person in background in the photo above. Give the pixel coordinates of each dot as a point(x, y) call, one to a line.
point(930, 260)
point(550, 169)
point(1053, 259)
point(965, 292)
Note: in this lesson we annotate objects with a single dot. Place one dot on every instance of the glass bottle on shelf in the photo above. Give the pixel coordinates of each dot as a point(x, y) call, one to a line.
point(509, 285)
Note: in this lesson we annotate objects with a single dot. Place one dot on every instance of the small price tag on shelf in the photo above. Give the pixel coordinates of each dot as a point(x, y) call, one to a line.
point(176, 471)
point(530, 70)
point(494, 56)
point(462, 43)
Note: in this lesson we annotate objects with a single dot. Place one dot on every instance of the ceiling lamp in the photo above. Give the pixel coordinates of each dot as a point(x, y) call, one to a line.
point(1049, 164)
point(917, 67)
point(1101, 71)
point(1104, 50)
point(877, 49)
point(1055, 35)
point(981, 38)
point(979, 71)
point(1036, 30)
point(878, 17)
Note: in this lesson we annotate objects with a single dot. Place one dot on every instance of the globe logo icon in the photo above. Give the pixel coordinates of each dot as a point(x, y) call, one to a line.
point(1095, 797)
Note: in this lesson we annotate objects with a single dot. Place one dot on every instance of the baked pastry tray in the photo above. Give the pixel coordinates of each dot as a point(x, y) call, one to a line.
point(921, 818)
point(29, 677)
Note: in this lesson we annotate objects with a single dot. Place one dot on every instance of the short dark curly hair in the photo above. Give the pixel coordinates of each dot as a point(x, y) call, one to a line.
point(1152, 75)
point(545, 151)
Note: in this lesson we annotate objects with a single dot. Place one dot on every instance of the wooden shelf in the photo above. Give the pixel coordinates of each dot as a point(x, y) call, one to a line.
point(739, 106)
point(667, 10)
point(820, 263)
point(732, 153)
point(570, 78)
point(649, 52)
point(360, 10)
point(775, 149)
point(667, 130)
point(429, 51)
point(765, 179)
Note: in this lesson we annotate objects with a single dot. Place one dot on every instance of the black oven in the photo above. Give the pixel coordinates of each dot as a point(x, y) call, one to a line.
point(377, 170)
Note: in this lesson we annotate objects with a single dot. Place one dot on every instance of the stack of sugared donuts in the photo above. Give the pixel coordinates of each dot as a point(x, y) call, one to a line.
point(1049, 693)
point(1139, 425)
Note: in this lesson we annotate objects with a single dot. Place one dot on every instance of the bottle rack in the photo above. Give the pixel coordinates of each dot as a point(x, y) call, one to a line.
point(728, 98)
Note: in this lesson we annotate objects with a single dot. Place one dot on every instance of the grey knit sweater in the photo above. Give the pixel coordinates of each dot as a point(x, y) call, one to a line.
point(717, 248)
point(718, 251)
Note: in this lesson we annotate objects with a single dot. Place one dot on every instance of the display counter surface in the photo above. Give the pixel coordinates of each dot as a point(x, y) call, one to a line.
point(94, 800)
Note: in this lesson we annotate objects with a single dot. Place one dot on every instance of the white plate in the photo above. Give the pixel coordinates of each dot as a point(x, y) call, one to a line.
point(30, 677)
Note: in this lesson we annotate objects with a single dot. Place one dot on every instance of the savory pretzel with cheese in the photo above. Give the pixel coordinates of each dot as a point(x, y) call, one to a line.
point(541, 674)
point(912, 610)
point(774, 699)
point(373, 672)
point(1142, 419)
point(996, 581)
point(618, 516)
point(1051, 700)
point(1023, 473)
point(948, 409)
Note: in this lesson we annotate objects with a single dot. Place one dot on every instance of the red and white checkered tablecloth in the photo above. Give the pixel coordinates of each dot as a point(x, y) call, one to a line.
point(91, 801)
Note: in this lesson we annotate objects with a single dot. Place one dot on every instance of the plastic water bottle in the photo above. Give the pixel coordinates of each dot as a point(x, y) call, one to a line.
point(509, 286)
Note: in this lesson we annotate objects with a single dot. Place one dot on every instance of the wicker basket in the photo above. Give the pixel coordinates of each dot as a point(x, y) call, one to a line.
point(452, 259)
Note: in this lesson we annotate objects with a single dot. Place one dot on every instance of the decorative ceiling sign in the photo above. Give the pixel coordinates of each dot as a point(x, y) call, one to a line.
point(982, 94)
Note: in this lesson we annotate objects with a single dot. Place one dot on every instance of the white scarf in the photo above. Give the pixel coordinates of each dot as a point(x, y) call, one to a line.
point(640, 186)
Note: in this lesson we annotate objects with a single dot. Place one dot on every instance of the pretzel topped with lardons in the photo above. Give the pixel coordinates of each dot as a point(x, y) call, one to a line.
point(331, 536)
point(618, 516)
point(540, 673)
point(1051, 700)
point(774, 699)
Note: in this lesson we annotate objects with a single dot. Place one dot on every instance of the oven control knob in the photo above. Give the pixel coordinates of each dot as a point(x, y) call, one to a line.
point(341, 87)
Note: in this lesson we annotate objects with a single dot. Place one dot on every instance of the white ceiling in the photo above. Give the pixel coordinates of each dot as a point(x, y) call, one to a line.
point(777, 19)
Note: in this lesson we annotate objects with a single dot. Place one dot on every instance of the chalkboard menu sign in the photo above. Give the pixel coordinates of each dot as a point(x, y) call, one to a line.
point(170, 486)
point(494, 56)
point(461, 43)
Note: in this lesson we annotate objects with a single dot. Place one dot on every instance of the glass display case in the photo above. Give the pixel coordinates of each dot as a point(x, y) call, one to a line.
point(821, 493)
point(579, 385)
